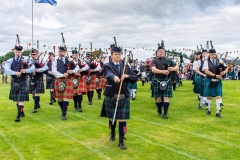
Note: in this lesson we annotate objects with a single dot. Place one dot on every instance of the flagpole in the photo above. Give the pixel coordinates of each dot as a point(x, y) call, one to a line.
point(32, 23)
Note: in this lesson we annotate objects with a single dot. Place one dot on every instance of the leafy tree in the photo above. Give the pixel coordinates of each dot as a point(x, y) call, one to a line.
point(11, 55)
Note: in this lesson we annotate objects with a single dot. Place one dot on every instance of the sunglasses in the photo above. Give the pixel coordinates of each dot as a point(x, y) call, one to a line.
point(33, 54)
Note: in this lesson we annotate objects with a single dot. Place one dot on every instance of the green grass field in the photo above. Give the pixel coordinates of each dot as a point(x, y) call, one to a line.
point(187, 134)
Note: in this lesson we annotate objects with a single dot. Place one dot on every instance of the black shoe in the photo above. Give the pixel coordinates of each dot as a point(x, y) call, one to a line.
point(22, 115)
point(64, 117)
point(159, 113)
point(34, 110)
point(17, 119)
point(89, 103)
point(121, 144)
point(51, 103)
point(218, 115)
point(78, 109)
point(54, 100)
point(133, 98)
point(208, 112)
point(165, 116)
point(112, 136)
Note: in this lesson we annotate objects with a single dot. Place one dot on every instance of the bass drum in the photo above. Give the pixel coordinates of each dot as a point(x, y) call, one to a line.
point(148, 63)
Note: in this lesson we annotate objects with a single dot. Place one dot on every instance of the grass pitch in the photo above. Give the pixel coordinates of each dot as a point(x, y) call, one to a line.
point(187, 134)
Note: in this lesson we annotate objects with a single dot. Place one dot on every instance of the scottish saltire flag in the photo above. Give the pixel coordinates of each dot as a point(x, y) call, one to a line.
point(52, 2)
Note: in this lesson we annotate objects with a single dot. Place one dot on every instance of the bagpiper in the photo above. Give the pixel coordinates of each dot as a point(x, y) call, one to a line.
point(100, 80)
point(162, 88)
point(214, 69)
point(63, 70)
point(50, 79)
point(36, 79)
point(113, 72)
point(79, 86)
point(94, 67)
point(199, 77)
point(18, 68)
point(133, 86)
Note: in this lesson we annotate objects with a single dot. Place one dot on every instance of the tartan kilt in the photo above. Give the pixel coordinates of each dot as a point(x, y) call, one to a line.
point(158, 93)
point(39, 88)
point(102, 83)
point(92, 85)
point(108, 108)
point(198, 87)
point(132, 85)
point(212, 91)
point(51, 85)
point(81, 86)
point(21, 95)
point(68, 93)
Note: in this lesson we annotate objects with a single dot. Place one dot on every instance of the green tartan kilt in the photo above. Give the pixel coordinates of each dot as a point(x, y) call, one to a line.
point(157, 92)
point(132, 85)
point(198, 86)
point(212, 91)
point(39, 86)
point(108, 108)
point(21, 95)
point(50, 85)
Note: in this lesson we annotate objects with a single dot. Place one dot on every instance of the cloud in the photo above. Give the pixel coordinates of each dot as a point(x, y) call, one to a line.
point(181, 24)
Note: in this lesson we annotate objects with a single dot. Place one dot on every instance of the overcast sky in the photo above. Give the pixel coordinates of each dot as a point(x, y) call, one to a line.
point(135, 23)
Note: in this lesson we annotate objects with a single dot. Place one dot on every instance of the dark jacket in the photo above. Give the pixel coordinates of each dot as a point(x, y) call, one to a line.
point(109, 71)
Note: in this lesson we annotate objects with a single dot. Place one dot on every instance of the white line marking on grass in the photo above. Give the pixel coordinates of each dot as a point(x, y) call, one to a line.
point(192, 133)
point(164, 146)
point(71, 137)
point(167, 147)
point(12, 146)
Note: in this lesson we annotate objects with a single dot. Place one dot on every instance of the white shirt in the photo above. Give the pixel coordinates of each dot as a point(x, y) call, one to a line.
point(58, 74)
point(205, 65)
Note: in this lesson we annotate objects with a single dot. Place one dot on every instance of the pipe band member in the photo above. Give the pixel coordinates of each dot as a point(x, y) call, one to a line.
point(112, 71)
point(18, 68)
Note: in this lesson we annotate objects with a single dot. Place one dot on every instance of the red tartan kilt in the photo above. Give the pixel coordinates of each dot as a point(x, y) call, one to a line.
point(102, 82)
point(68, 93)
point(81, 86)
point(92, 85)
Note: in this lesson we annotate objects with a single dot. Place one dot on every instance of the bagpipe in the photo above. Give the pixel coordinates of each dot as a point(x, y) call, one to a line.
point(70, 64)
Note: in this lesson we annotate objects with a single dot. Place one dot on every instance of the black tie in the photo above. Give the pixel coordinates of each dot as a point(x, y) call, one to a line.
point(18, 59)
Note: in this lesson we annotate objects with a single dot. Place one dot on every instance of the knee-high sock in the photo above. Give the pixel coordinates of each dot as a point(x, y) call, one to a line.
point(36, 101)
point(51, 95)
point(174, 86)
point(75, 101)
point(65, 107)
point(61, 105)
point(100, 92)
point(79, 101)
point(201, 100)
point(218, 105)
point(208, 103)
point(134, 93)
point(122, 128)
point(90, 95)
point(20, 110)
point(159, 105)
point(130, 93)
point(110, 126)
point(166, 106)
